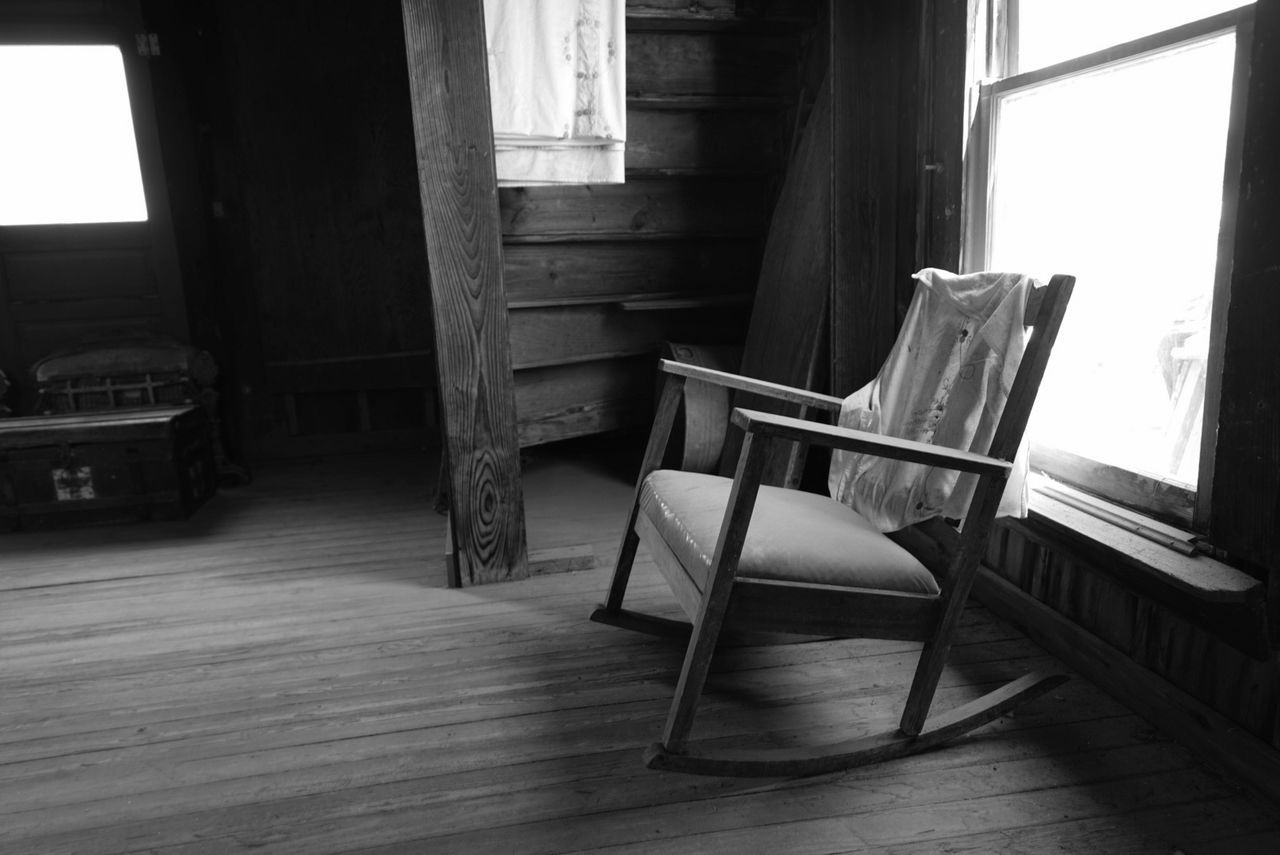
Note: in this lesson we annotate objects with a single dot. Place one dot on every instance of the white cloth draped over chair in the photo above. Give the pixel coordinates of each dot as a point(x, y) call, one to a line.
point(944, 382)
point(557, 83)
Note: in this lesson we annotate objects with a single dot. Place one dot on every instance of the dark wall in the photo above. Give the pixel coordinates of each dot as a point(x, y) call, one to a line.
point(315, 294)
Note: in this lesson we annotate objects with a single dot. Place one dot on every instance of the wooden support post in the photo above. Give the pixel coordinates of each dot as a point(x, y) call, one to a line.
point(864, 83)
point(1244, 469)
point(1246, 464)
point(445, 46)
point(791, 297)
point(940, 130)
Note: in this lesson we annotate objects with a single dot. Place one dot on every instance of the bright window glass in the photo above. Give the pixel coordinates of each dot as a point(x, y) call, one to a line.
point(67, 148)
point(1050, 31)
point(1116, 176)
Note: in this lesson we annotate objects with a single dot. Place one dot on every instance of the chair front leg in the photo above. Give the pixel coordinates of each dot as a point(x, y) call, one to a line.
point(955, 594)
point(715, 596)
point(659, 435)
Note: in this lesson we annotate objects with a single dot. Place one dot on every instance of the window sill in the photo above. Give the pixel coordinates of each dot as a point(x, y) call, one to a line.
point(1227, 603)
point(1198, 575)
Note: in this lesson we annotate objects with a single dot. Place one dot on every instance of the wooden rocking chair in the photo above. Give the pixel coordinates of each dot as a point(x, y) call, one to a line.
point(883, 592)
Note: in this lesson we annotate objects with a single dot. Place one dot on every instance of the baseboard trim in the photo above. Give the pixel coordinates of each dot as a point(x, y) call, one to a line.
point(1215, 738)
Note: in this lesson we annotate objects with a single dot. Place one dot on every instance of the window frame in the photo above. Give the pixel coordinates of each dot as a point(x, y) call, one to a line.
point(118, 23)
point(22, 31)
point(91, 37)
point(1158, 498)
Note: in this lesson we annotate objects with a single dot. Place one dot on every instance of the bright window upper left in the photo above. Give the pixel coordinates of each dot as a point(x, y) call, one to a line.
point(67, 148)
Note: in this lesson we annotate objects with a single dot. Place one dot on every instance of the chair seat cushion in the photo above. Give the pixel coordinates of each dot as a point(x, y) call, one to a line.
point(794, 536)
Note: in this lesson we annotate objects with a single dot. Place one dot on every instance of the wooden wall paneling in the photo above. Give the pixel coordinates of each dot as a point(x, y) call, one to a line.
point(1246, 481)
point(1211, 651)
point(214, 73)
point(445, 47)
point(389, 371)
point(394, 409)
point(37, 338)
point(749, 140)
point(642, 208)
point(723, 9)
point(63, 284)
point(552, 273)
point(364, 419)
point(110, 315)
point(719, 12)
point(866, 74)
point(325, 144)
point(940, 133)
point(719, 63)
point(301, 439)
point(1233, 615)
point(562, 401)
point(911, 91)
point(1240, 687)
point(317, 223)
point(77, 274)
point(315, 412)
point(564, 334)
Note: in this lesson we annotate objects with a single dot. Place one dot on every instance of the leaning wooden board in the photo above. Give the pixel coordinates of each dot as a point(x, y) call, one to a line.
point(153, 463)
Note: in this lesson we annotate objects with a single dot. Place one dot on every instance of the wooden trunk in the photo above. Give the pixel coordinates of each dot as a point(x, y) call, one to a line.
point(152, 463)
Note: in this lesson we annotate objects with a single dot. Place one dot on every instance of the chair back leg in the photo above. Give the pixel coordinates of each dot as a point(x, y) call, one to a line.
point(659, 435)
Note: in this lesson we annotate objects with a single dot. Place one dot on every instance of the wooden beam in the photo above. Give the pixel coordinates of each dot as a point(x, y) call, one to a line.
point(865, 106)
point(1246, 479)
point(791, 297)
point(940, 130)
point(445, 46)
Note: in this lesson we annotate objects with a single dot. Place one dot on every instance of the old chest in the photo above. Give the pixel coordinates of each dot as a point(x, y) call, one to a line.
point(153, 463)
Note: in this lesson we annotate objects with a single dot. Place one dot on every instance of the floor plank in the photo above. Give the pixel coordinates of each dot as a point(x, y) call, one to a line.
point(285, 672)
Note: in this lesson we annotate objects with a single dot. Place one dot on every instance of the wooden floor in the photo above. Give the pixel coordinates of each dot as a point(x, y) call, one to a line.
point(284, 673)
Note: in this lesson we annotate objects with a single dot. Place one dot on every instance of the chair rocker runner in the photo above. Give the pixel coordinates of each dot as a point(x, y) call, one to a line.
point(742, 556)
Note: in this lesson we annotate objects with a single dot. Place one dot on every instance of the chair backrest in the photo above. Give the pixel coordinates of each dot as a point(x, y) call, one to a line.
point(1046, 307)
point(947, 381)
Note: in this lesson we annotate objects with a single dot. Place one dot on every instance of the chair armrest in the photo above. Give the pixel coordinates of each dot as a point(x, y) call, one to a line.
point(777, 391)
point(868, 443)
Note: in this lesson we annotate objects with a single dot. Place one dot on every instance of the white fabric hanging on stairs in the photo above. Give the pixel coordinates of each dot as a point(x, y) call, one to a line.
point(557, 83)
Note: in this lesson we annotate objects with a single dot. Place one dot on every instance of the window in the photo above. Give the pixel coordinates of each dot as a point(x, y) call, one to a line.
point(1107, 159)
point(67, 149)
